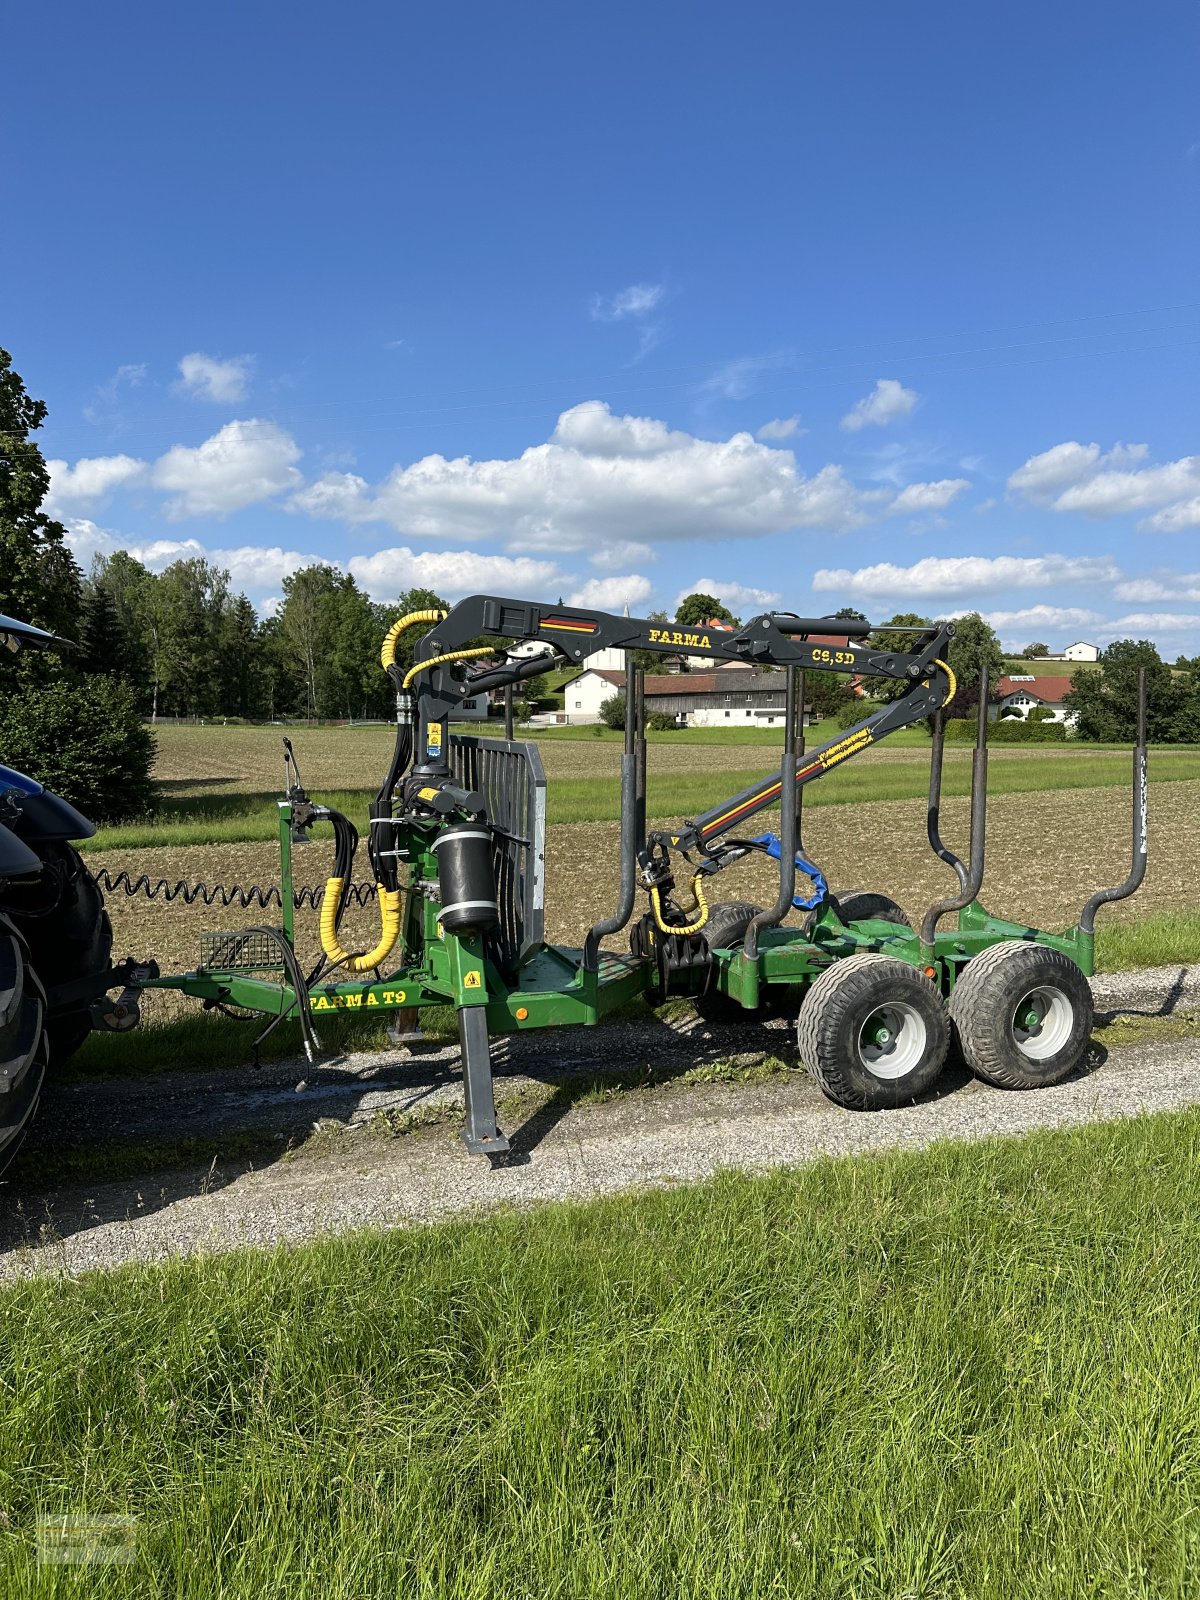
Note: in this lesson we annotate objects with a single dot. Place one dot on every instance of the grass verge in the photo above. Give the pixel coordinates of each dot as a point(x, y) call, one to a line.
point(250, 817)
point(969, 1371)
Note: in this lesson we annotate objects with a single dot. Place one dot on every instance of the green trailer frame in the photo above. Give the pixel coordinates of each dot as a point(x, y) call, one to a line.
point(543, 986)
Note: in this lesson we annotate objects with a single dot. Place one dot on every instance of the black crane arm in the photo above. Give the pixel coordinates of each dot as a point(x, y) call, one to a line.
point(925, 697)
point(776, 638)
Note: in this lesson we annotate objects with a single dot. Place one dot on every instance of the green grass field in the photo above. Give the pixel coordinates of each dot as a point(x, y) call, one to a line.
point(214, 777)
point(969, 1372)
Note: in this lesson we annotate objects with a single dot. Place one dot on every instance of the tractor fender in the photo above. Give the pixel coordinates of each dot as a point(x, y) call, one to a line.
point(41, 815)
point(17, 860)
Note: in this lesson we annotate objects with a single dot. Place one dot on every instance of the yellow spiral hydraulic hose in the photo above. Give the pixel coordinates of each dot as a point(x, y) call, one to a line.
point(454, 655)
point(387, 654)
point(675, 927)
point(389, 928)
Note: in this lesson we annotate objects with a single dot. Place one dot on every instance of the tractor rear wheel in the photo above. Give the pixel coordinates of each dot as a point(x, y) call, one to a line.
point(62, 918)
point(1021, 1015)
point(861, 905)
point(22, 1040)
point(873, 1032)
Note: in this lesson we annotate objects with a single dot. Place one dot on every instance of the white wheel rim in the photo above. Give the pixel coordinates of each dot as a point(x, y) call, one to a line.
point(1042, 1023)
point(892, 1040)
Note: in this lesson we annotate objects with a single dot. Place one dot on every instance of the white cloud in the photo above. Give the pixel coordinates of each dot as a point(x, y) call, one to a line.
point(453, 573)
point(616, 553)
point(1047, 619)
point(742, 600)
point(738, 379)
point(89, 483)
point(612, 594)
point(1167, 586)
point(1174, 519)
point(917, 497)
point(1151, 622)
point(600, 471)
point(1111, 494)
point(888, 401)
point(207, 378)
point(780, 428)
point(251, 567)
point(105, 407)
point(1081, 477)
point(638, 300)
point(966, 575)
point(241, 464)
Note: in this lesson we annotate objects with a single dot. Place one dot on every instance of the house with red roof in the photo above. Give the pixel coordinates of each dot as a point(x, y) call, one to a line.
point(1017, 693)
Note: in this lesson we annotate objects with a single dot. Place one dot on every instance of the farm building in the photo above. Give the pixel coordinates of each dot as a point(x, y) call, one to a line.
point(1020, 692)
point(1079, 651)
point(729, 697)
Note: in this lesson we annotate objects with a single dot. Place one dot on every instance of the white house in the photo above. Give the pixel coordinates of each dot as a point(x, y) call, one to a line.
point(1081, 651)
point(1020, 692)
point(731, 697)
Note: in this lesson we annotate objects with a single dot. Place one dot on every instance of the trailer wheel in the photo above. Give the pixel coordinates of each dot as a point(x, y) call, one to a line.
point(68, 932)
point(725, 930)
point(22, 1040)
point(1022, 1015)
point(873, 1032)
point(859, 905)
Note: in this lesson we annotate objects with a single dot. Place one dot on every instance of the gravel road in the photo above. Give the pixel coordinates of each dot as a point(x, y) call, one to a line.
point(674, 1133)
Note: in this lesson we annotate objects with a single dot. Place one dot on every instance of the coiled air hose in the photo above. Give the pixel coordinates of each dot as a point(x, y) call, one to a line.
point(224, 895)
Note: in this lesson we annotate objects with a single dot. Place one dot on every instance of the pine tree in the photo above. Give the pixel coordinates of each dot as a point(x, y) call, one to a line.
point(39, 580)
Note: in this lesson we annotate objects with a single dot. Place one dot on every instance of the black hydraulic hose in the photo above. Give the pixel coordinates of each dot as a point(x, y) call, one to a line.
point(291, 965)
point(383, 867)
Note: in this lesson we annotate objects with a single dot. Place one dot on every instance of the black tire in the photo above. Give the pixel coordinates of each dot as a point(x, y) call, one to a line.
point(69, 935)
point(725, 930)
point(861, 905)
point(993, 1009)
point(22, 1041)
point(873, 1032)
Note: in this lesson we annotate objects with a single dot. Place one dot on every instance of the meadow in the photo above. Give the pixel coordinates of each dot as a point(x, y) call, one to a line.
point(220, 785)
point(967, 1372)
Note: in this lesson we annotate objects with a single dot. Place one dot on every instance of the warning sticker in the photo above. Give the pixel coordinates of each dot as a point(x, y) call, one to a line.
point(473, 980)
point(433, 736)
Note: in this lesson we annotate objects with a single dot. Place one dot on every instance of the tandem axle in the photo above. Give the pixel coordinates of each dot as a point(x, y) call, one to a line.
point(456, 842)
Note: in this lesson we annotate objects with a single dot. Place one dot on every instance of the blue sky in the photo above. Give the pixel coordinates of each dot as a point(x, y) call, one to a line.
point(868, 304)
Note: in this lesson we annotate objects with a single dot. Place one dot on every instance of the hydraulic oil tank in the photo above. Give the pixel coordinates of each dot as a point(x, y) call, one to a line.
point(468, 884)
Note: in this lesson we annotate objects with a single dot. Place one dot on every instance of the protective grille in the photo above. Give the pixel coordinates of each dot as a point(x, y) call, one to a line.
point(239, 952)
point(508, 773)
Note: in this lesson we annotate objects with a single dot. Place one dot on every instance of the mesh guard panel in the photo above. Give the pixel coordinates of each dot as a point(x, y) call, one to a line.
point(508, 773)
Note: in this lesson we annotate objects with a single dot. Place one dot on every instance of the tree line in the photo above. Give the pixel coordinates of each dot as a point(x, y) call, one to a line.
point(188, 646)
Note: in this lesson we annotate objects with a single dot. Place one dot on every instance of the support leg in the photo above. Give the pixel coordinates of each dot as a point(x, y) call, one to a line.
point(480, 1134)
